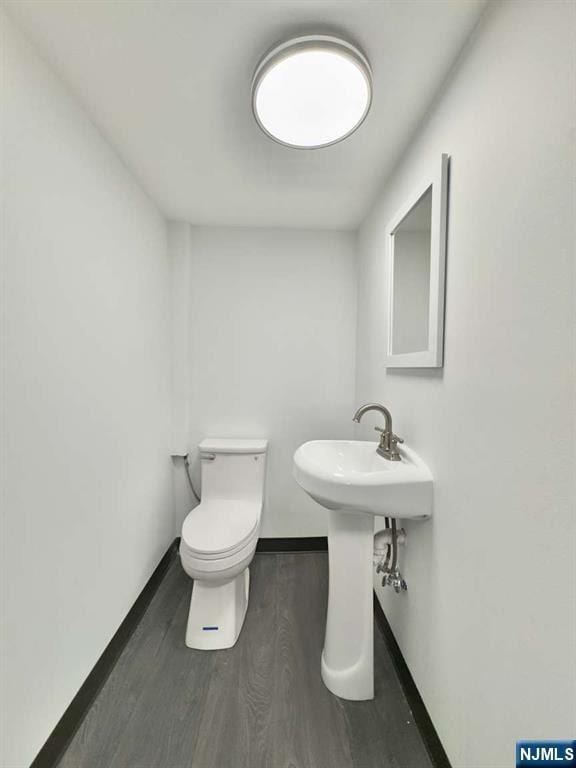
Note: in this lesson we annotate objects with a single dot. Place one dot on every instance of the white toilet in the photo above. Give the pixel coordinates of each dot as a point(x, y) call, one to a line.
point(219, 539)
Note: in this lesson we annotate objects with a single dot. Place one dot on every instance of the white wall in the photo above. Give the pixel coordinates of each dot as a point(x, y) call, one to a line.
point(487, 627)
point(272, 340)
point(86, 504)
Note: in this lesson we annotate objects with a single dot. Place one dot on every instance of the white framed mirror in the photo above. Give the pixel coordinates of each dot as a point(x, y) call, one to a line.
point(416, 239)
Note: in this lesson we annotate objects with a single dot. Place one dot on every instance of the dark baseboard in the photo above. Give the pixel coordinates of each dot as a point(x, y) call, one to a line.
point(421, 717)
point(73, 716)
point(297, 544)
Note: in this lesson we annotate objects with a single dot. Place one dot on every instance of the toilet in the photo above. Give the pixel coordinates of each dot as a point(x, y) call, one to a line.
point(219, 539)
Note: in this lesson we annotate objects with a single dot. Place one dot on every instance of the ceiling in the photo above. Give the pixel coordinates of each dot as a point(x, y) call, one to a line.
point(168, 83)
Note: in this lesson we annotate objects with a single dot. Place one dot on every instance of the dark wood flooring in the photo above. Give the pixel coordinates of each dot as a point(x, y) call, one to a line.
point(261, 704)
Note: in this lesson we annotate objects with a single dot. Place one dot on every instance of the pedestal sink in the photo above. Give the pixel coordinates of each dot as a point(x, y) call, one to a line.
point(350, 479)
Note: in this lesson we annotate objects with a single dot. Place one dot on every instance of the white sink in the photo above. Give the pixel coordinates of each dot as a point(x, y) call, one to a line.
point(349, 475)
point(355, 483)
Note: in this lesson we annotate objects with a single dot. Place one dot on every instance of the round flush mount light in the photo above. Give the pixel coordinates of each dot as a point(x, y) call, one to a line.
point(311, 91)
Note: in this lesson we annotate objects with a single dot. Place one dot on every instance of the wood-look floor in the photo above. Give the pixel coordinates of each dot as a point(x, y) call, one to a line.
point(261, 704)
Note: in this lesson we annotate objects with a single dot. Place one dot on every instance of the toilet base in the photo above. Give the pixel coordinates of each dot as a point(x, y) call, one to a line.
point(217, 611)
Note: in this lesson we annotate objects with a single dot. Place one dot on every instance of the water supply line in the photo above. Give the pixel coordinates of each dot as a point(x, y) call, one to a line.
point(386, 545)
point(394, 546)
point(187, 464)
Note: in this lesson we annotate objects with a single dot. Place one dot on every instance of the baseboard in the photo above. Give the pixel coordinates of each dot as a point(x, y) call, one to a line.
point(422, 719)
point(80, 704)
point(296, 544)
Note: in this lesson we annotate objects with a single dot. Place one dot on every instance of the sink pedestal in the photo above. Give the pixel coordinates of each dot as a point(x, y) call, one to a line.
point(348, 655)
point(355, 483)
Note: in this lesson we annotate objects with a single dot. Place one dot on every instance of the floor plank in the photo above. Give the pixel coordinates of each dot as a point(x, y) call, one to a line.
point(310, 727)
point(100, 733)
point(261, 704)
point(235, 725)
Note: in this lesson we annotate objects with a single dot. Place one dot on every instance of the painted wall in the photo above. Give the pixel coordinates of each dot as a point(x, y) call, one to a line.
point(272, 350)
point(86, 487)
point(487, 627)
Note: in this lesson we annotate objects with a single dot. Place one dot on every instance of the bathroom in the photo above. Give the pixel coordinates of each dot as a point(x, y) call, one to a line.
point(206, 561)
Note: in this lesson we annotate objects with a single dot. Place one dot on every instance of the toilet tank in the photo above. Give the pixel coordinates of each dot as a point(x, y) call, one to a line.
point(233, 468)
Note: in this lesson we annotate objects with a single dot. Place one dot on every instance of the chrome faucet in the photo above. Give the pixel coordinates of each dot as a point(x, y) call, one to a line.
point(388, 445)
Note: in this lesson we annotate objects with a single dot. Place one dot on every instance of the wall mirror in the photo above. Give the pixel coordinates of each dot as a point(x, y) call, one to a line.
point(416, 269)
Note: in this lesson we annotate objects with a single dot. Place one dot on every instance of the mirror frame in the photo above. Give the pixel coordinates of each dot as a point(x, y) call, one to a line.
point(433, 357)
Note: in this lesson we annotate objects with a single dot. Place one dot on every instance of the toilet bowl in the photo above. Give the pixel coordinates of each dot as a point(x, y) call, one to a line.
point(219, 539)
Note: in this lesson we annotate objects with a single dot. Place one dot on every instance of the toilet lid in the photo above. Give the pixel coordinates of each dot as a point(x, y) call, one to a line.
point(220, 526)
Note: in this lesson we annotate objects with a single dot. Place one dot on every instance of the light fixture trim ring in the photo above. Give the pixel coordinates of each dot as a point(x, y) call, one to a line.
point(284, 50)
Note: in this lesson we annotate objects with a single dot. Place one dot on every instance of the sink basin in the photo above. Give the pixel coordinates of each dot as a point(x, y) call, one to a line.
point(350, 475)
point(355, 483)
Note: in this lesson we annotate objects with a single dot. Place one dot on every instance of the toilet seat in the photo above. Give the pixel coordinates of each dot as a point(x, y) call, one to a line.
point(221, 568)
point(219, 528)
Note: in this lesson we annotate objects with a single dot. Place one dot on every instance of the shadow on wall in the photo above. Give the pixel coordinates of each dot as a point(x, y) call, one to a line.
point(184, 499)
point(420, 373)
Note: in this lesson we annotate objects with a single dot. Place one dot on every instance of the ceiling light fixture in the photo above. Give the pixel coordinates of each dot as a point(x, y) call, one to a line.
point(311, 91)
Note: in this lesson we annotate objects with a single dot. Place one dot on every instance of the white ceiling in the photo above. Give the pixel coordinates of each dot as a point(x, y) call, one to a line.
point(168, 83)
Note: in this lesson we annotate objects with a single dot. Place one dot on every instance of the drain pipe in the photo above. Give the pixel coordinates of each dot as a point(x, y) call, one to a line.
point(382, 548)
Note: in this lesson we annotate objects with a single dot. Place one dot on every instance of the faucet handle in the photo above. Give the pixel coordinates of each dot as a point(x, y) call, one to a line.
point(393, 436)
